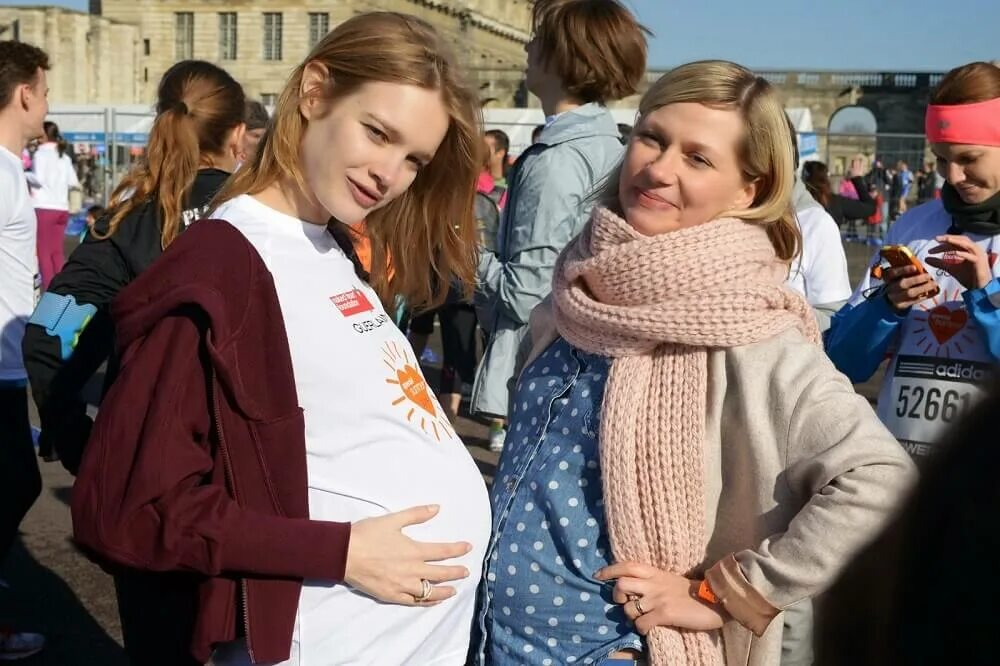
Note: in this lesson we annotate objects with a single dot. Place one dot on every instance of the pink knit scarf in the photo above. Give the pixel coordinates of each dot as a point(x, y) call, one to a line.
point(656, 305)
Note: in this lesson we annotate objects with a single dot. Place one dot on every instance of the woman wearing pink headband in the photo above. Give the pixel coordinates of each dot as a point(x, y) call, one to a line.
point(941, 327)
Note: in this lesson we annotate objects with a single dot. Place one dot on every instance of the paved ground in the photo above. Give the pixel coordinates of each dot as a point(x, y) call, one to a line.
point(56, 590)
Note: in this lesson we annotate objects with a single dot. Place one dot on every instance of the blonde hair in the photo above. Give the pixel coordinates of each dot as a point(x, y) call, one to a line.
point(428, 232)
point(766, 154)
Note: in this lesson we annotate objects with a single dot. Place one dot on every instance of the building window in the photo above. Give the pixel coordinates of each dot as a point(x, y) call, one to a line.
point(145, 47)
point(145, 74)
point(269, 99)
point(227, 36)
point(319, 25)
point(184, 35)
point(272, 36)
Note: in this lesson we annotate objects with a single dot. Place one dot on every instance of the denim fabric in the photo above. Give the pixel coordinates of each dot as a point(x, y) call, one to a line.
point(540, 603)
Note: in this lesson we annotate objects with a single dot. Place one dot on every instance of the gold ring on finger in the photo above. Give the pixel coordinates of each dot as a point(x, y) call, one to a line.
point(638, 605)
point(425, 590)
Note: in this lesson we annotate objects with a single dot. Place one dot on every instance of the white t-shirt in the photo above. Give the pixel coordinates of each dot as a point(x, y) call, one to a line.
point(941, 362)
point(377, 442)
point(56, 175)
point(19, 281)
point(820, 272)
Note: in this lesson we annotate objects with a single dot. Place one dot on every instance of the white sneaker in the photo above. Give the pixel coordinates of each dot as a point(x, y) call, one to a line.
point(497, 437)
point(15, 645)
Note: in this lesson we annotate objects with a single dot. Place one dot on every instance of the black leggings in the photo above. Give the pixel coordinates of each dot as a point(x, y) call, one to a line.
point(458, 338)
point(20, 480)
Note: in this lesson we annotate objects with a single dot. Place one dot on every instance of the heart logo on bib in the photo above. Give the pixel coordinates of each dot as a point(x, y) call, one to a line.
point(945, 323)
point(415, 388)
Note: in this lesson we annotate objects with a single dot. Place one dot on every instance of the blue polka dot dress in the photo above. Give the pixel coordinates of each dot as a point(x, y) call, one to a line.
point(539, 601)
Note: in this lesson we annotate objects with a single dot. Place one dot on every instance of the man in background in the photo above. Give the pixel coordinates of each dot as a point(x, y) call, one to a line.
point(23, 107)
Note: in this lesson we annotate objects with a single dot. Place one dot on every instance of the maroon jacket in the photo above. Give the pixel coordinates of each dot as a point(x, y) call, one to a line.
point(197, 459)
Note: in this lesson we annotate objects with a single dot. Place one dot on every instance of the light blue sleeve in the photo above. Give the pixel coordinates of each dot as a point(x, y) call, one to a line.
point(550, 209)
point(982, 305)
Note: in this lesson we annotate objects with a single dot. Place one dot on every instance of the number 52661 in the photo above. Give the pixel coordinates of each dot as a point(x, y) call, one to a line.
point(931, 404)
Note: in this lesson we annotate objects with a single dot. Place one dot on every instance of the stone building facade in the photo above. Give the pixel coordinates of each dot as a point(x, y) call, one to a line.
point(261, 41)
point(93, 57)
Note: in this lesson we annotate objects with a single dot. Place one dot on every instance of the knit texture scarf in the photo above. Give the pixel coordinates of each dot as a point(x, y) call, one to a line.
point(656, 305)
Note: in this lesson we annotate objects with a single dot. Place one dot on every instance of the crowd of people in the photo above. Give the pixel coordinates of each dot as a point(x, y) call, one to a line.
point(670, 342)
point(872, 200)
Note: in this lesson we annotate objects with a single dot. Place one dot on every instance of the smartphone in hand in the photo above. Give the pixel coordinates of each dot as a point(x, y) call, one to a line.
point(898, 256)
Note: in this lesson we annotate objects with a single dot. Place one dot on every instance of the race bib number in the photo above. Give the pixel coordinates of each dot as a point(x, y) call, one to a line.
point(929, 395)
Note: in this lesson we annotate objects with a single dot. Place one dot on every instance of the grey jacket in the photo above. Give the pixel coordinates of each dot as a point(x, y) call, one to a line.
point(548, 204)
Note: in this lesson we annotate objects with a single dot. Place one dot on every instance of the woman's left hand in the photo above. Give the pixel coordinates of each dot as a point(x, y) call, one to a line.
point(963, 259)
point(665, 599)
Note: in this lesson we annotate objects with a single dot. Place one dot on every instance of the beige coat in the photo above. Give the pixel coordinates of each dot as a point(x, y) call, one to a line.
point(800, 474)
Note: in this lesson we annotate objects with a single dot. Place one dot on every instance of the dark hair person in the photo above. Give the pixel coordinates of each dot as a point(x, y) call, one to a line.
point(23, 107)
point(256, 121)
point(499, 157)
point(56, 176)
point(816, 178)
point(192, 150)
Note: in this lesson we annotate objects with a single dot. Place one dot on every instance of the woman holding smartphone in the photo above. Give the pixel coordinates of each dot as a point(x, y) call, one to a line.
point(937, 318)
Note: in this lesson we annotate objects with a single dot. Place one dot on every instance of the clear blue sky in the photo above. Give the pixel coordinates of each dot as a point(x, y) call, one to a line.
point(789, 34)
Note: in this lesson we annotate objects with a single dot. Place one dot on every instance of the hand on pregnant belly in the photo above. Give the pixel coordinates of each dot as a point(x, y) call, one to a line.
point(386, 564)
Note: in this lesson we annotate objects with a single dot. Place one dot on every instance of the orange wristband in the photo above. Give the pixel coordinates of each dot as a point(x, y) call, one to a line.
point(705, 593)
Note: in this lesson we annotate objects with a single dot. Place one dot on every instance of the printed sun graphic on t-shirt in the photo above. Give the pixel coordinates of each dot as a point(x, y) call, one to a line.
point(942, 328)
point(415, 396)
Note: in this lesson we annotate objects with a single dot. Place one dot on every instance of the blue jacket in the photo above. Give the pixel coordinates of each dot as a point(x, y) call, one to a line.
point(867, 329)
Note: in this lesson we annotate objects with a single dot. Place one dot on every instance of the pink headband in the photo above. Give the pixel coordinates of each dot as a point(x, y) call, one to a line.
point(975, 124)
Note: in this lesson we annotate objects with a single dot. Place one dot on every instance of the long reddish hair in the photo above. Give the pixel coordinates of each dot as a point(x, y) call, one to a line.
point(968, 84)
point(429, 231)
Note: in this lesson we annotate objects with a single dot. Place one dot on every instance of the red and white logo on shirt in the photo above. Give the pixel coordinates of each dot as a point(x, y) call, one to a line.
point(352, 303)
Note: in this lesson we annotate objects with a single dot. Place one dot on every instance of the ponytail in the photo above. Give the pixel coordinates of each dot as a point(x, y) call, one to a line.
point(199, 105)
point(167, 175)
point(53, 134)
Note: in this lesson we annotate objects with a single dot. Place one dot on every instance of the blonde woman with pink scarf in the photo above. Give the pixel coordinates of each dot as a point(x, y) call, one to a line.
point(683, 462)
